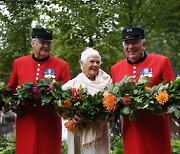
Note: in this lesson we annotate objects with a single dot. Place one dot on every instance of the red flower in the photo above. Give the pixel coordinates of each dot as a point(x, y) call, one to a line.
point(126, 100)
point(76, 94)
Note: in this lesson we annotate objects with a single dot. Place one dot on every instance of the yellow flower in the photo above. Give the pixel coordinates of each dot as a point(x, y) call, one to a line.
point(110, 102)
point(71, 126)
point(162, 97)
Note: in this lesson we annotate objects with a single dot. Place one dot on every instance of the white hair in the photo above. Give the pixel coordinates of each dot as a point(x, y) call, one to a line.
point(89, 52)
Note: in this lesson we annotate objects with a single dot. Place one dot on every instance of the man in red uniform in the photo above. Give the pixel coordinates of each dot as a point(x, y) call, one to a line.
point(148, 134)
point(38, 131)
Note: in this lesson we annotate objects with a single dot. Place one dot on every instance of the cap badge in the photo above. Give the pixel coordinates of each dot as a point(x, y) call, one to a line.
point(129, 30)
point(48, 31)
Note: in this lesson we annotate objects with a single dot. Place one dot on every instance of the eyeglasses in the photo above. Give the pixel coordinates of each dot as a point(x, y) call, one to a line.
point(47, 42)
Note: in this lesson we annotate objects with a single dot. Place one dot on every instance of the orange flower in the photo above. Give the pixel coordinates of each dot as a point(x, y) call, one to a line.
point(162, 97)
point(110, 102)
point(67, 103)
point(126, 100)
point(76, 94)
point(148, 89)
point(71, 126)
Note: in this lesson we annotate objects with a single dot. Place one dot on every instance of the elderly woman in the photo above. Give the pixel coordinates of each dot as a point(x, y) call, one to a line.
point(94, 138)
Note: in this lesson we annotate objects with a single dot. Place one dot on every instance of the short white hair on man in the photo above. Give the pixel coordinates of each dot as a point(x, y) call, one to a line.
point(142, 41)
point(89, 52)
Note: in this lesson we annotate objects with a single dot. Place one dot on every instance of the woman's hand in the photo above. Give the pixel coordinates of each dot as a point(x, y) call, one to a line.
point(77, 119)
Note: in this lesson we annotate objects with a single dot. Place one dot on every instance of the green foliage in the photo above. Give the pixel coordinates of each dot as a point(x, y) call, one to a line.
point(85, 106)
point(46, 91)
point(175, 146)
point(132, 96)
point(78, 24)
point(64, 147)
point(15, 23)
point(6, 147)
point(116, 144)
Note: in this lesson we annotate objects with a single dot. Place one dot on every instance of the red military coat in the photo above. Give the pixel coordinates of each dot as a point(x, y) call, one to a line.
point(38, 131)
point(149, 134)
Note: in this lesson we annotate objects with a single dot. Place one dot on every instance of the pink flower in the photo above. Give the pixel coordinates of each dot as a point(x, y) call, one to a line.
point(35, 92)
point(51, 86)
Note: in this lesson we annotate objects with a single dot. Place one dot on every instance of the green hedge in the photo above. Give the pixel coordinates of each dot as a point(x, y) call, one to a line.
point(116, 146)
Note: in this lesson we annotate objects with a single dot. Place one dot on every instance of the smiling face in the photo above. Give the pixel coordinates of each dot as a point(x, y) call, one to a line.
point(134, 49)
point(41, 48)
point(91, 66)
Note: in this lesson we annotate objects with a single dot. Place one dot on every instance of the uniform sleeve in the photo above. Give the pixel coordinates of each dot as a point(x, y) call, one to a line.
point(112, 75)
point(13, 80)
point(167, 73)
point(65, 73)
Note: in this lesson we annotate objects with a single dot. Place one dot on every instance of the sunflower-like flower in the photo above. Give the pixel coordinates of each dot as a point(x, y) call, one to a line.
point(67, 103)
point(71, 126)
point(126, 100)
point(109, 102)
point(162, 97)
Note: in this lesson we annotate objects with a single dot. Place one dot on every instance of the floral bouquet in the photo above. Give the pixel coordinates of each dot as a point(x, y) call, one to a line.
point(79, 103)
point(174, 97)
point(46, 91)
point(131, 96)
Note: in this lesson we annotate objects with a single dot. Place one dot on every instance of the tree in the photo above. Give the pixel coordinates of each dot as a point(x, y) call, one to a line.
point(77, 22)
point(16, 18)
point(98, 23)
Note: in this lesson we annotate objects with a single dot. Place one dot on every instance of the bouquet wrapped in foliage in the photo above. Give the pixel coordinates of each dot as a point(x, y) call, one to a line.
point(124, 97)
point(45, 91)
point(132, 96)
point(77, 102)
